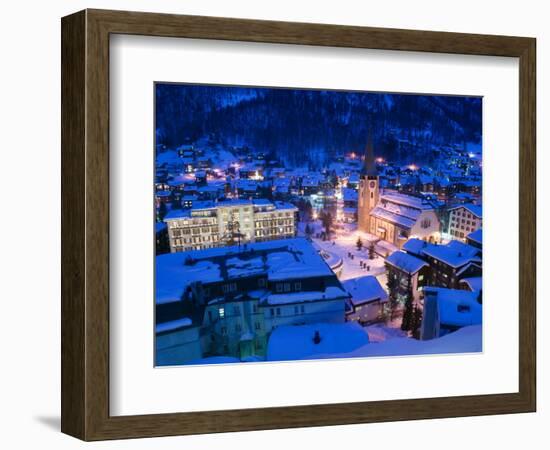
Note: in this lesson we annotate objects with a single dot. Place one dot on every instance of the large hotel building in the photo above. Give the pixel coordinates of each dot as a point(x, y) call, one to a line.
point(216, 224)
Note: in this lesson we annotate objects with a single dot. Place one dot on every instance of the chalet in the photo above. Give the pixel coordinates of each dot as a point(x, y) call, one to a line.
point(406, 275)
point(367, 300)
point(449, 263)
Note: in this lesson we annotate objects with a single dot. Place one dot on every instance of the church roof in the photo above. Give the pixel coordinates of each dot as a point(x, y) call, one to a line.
point(393, 217)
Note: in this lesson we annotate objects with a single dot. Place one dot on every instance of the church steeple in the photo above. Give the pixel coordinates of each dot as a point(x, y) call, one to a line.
point(368, 189)
point(369, 166)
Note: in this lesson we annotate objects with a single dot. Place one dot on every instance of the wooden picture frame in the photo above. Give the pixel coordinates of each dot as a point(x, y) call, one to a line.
point(85, 224)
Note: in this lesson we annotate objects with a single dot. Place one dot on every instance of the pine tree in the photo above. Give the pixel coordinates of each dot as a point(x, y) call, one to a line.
point(392, 285)
point(161, 212)
point(371, 250)
point(416, 322)
point(408, 313)
point(326, 220)
point(308, 231)
point(359, 244)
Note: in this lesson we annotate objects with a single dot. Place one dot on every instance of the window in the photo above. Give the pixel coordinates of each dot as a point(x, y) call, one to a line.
point(426, 223)
point(229, 287)
point(295, 310)
point(302, 309)
point(279, 287)
point(257, 326)
point(261, 282)
point(287, 287)
point(236, 310)
point(298, 286)
point(272, 312)
point(221, 313)
point(278, 311)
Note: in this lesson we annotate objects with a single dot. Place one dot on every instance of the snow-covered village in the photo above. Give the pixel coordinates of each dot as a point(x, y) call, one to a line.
point(334, 225)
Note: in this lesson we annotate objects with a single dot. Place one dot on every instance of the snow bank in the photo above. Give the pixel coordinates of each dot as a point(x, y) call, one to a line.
point(297, 342)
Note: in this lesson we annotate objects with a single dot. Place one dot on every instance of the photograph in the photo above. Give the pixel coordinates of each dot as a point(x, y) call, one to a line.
point(299, 224)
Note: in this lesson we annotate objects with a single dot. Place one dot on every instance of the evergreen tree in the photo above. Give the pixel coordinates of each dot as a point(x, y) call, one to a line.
point(326, 220)
point(359, 244)
point(161, 212)
point(392, 285)
point(371, 250)
point(416, 322)
point(308, 231)
point(408, 313)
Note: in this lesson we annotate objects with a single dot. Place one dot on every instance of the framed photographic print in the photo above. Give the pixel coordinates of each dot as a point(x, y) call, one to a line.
point(270, 225)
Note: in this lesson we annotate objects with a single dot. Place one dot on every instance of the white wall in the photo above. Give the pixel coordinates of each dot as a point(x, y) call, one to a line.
point(30, 171)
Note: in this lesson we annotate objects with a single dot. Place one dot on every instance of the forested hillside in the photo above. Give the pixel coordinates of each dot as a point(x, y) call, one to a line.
point(312, 126)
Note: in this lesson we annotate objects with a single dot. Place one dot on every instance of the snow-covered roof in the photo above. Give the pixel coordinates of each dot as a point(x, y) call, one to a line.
point(406, 200)
point(173, 276)
point(390, 216)
point(286, 259)
point(474, 283)
point(414, 246)
point(297, 341)
point(330, 293)
point(175, 214)
point(365, 289)
point(456, 307)
point(350, 195)
point(476, 210)
point(406, 262)
point(173, 325)
point(476, 236)
point(159, 226)
point(237, 267)
point(455, 253)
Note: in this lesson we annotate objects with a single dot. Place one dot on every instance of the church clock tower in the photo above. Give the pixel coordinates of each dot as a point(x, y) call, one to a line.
point(368, 189)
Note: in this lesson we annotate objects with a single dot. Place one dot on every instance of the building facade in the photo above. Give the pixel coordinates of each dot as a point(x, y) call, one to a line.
point(215, 224)
point(235, 298)
point(464, 219)
point(449, 263)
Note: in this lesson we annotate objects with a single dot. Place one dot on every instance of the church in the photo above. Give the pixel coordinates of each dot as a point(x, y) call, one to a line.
point(390, 215)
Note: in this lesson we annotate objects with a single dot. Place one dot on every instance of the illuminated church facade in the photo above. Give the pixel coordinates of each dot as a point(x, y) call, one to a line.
point(390, 215)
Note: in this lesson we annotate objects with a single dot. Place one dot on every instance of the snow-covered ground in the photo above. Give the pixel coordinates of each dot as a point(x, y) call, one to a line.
point(344, 243)
point(380, 332)
point(464, 340)
point(349, 340)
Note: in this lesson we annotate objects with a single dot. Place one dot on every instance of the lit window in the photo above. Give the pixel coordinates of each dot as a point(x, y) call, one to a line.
point(221, 312)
